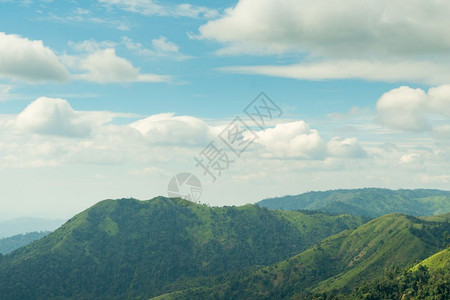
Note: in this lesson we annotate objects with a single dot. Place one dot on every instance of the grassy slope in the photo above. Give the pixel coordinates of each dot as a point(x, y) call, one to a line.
point(437, 262)
point(161, 245)
point(379, 244)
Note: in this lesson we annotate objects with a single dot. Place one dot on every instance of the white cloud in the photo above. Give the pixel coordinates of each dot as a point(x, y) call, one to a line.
point(403, 109)
point(105, 66)
point(372, 70)
point(163, 45)
point(393, 41)
point(354, 28)
point(150, 8)
point(192, 11)
point(292, 140)
point(53, 116)
point(30, 61)
point(168, 129)
point(408, 109)
point(346, 148)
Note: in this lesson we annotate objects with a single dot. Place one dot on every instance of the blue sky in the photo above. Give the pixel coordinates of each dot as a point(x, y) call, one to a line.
point(111, 98)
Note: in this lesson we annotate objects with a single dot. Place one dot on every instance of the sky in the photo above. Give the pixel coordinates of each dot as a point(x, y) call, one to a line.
point(108, 99)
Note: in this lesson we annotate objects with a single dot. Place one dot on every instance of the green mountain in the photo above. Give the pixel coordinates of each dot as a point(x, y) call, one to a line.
point(369, 202)
point(130, 249)
point(12, 243)
point(338, 263)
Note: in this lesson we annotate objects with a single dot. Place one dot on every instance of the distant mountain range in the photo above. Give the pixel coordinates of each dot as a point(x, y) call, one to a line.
point(12, 243)
point(175, 249)
point(24, 225)
point(369, 202)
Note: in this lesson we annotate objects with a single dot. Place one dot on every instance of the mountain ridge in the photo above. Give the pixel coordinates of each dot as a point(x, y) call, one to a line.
point(368, 202)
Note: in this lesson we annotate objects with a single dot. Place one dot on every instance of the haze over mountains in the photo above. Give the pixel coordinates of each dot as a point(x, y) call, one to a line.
point(27, 224)
point(170, 248)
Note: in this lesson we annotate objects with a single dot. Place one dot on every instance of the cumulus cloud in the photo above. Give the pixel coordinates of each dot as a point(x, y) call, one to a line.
point(406, 109)
point(150, 8)
point(168, 129)
point(292, 140)
point(54, 116)
point(105, 66)
point(403, 109)
point(351, 29)
point(30, 61)
point(346, 148)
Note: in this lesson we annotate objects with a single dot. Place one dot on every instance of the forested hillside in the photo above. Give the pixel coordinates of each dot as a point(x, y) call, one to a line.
point(339, 263)
point(126, 248)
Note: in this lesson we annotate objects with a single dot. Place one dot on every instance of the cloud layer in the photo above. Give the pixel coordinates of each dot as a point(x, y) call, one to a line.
point(351, 29)
point(84, 135)
point(372, 70)
point(388, 41)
